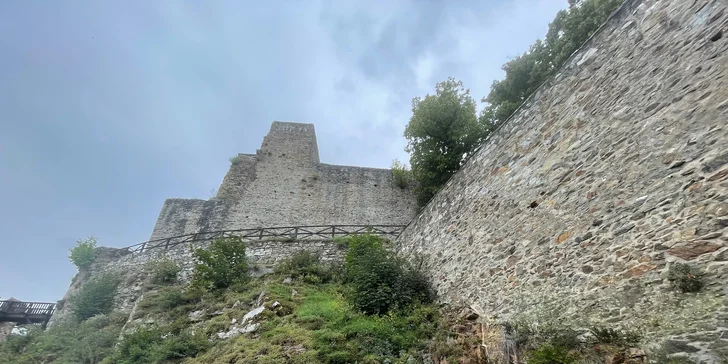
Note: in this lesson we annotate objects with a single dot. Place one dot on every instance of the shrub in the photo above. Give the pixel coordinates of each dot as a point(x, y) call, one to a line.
point(552, 354)
point(605, 335)
point(379, 280)
point(401, 174)
point(685, 278)
point(221, 265)
point(306, 266)
point(157, 345)
point(95, 297)
point(235, 160)
point(164, 271)
point(83, 254)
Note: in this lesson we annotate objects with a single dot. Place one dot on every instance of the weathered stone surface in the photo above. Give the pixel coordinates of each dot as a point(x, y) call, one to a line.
point(629, 147)
point(690, 251)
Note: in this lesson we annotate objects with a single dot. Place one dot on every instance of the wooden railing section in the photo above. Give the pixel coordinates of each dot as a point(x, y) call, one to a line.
point(26, 312)
point(285, 233)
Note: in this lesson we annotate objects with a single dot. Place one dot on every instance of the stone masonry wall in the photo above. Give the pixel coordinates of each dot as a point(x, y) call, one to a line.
point(284, 184)
point(612, 172)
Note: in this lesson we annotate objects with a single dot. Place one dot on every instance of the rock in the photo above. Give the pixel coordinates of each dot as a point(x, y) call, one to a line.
point(217, 313)
point(261, 297)
point(276, 304)
point(674, 346)
point(692, 250)
point(287, 280)
point(196, 316)
point(252, 314)
point(233, 321)
point(236, 304)
point(294, 293)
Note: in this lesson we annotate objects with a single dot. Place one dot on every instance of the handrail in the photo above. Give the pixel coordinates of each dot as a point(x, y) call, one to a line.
point(30, 308)
point(303, 232)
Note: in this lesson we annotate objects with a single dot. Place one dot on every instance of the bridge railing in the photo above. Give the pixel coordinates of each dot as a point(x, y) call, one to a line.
point(292, 233)
point(29, 308)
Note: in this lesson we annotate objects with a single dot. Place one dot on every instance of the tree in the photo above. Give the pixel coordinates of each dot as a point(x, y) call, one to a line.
point(84, 253)
point(525, 73)
point(441, 133)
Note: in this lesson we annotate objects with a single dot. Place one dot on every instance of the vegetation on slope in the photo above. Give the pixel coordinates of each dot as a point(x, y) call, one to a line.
point(308, 312)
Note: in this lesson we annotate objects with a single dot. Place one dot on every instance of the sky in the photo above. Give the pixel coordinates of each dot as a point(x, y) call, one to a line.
point(109, 108)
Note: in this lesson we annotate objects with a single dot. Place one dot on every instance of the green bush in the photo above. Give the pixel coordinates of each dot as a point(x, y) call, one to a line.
point(83, 254)
point(95, 297)
point(402, 175)
point(157, 345)
point(685, 278)
point(380, 281)
point(164, 271)
point(67, 341)
point(605, 335)
point(306, 266)
point(221, 265)
point(552, 354)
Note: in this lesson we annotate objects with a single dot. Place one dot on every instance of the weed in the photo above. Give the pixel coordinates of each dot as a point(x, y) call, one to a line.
point(164, 271)
point(235, 160)
point(306, 266)
point(401, 174)
point(685, 278)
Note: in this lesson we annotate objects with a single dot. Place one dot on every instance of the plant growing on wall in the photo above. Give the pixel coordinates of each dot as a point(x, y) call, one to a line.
point(83, 254)
point(95, 297)
point(221, 265)
point(685, 278)
point(164, 271)
point(401, 174)
point(235, 160)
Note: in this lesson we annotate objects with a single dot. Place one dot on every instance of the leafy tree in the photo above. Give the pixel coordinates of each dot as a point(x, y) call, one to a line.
point(83, 254)
point(442, 131)
point(525, 73)
point(221, 265)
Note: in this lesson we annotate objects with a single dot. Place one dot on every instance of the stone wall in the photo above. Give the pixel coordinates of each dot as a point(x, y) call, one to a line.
point(284, 184)
point(612, 172)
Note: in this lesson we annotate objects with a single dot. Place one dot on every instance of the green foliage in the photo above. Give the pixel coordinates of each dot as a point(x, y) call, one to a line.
point(157, 345)
point(552, 354)
point(402, 175)
point(221, 265)
point(83, 254)
point(379, 280)
point(235, 160)
point(525, 73)
point(95, 297)
point(607, 335)
point(315, 176)
point(685, 278)
point(164, 271)
point(306, 266)
point(442, 131)
point(65, 342)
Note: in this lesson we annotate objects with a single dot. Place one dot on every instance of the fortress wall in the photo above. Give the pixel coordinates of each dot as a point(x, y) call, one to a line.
point(284, 184)
point(613, 172)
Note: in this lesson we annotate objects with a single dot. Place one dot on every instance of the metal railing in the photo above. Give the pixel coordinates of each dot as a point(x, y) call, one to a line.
point(285, 233)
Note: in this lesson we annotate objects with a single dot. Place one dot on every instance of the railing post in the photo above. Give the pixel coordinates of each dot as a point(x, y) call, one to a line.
point(260, 236)
point(166, 243)
point(295, 233)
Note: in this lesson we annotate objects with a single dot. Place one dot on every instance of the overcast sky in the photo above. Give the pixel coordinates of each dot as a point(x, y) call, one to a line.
point(108, 108)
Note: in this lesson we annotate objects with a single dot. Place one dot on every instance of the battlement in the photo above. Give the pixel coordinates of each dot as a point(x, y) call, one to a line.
point(284, 183)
